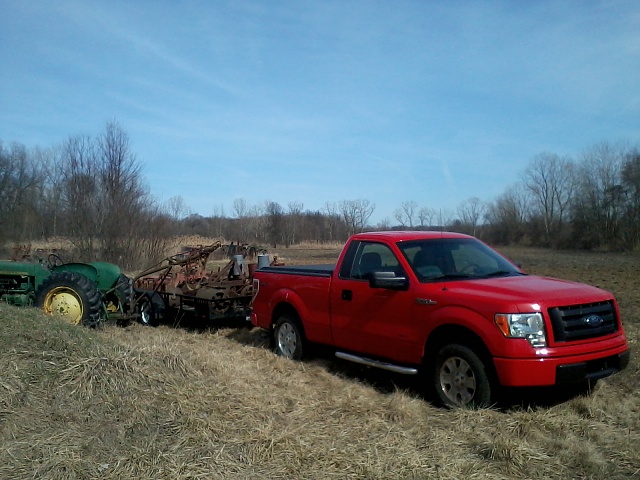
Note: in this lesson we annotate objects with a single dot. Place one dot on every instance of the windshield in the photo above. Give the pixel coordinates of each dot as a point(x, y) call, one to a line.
point(455, 259)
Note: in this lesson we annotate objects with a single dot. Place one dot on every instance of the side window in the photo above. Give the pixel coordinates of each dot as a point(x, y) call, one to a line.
point(373, 257)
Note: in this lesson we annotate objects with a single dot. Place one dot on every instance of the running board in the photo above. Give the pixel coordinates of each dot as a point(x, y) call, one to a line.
point(377, 364)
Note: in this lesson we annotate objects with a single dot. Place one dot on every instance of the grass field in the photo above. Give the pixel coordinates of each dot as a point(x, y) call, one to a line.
point(137, 402)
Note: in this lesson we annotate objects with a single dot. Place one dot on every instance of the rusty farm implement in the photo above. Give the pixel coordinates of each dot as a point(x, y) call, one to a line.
point(184, 285)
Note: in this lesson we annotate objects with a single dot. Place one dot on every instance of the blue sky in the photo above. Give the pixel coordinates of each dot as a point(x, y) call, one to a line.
point(317, 101)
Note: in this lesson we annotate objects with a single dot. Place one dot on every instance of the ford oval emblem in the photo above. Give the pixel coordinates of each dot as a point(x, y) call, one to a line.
point(593, 320)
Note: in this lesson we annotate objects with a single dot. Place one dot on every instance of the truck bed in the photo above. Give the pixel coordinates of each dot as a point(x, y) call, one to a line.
point(306, 270)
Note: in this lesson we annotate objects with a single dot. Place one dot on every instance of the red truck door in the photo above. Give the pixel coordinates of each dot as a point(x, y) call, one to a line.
point(372, 321)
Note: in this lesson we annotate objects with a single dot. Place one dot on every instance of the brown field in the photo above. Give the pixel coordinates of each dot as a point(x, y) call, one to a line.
point(168, 403)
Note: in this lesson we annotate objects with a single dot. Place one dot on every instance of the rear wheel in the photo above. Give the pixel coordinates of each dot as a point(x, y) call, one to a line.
point(460, 378)
point(288, 338)
point(71, 296)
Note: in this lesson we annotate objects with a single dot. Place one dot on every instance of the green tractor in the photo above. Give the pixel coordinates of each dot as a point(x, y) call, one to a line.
point(80, 293)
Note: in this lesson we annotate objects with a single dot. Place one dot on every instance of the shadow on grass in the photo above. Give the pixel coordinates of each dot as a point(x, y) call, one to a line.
point(192, 323)
point(384, 381)
point(387, 382)
point(542, 397)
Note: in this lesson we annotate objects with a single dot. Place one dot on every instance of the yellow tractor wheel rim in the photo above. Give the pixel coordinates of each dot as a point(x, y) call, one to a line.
point(64, 302)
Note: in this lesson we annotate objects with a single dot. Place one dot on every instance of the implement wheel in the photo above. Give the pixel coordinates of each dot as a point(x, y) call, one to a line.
point(71, 296)
point(147, 312)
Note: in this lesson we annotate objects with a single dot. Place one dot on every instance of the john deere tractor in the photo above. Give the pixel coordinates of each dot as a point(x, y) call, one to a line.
point(81, 293)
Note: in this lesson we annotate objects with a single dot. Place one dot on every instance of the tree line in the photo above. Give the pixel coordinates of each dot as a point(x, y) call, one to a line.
point(591, 201)
point(587, 202)
point(91, 190)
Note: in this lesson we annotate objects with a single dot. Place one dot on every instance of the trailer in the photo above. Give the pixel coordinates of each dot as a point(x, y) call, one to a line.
point(185, 286)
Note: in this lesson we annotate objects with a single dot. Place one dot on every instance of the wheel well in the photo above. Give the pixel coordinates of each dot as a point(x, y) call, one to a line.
point(286, 309)
point(456, 334)
point(282, 309)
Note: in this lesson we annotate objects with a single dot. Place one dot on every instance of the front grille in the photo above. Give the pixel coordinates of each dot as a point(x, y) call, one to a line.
point(580, 322)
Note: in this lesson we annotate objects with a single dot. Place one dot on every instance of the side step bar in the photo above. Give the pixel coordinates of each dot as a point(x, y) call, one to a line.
point(377, 363)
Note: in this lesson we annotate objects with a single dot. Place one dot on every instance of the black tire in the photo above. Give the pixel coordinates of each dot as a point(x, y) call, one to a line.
point(288, 338)
point(460, 378)
point(147, 314)
point(71, 296)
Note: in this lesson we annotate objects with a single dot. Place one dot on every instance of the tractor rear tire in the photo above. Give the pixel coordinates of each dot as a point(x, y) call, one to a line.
point(71, 296)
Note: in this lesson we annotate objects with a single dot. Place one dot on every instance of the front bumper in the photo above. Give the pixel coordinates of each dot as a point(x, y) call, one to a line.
point(560, 370)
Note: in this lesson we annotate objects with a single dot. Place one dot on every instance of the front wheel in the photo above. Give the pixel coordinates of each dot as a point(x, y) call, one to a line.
point(288, 338)
point(460, 378)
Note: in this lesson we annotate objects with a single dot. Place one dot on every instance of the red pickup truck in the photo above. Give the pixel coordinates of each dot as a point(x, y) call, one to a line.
point(447, 306)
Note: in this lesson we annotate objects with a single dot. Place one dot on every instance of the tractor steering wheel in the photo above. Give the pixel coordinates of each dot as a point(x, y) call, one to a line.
point(54, 260)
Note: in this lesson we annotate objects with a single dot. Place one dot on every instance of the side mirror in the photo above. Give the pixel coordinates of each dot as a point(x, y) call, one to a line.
point(388, 280)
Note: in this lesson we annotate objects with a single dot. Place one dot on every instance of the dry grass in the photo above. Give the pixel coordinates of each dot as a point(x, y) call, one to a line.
point(162, 403)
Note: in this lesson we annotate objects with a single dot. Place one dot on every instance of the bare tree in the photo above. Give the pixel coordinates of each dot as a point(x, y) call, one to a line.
point(293, 221)
point(426, 216)
point(20, 187)
point(240, 207)
point(551, 181)
point(507, 215)
point(274, 213)
point(257, 223)
point(241, 211)
point(82, 194)
point(356, 213)
point(398, 214)
point(105, 201)
point(218, 220)
point(177, 208)
point(364, 210)
point(406, 213)
point(445, 218)
point(471, 212)
point(332, 216)
point(123, 200)
point(52, 208)
point(599, 203)
point(631, 182)
point(384, 224)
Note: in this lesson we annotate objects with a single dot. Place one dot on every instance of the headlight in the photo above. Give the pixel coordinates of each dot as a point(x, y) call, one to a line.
point(523, 325)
